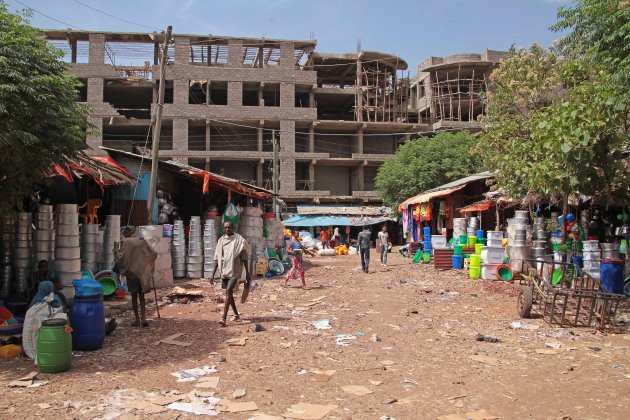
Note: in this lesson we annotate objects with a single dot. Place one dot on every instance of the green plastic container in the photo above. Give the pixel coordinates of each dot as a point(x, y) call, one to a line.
point(474, 273)
point(556, 277)
point(478, 248)
point(463, 239)
point(54, 346)
point(482, 241)
point(472, 241)
point(475, 261)
point(109, 285)
point(504, 272)
point(417, 256)
point(426, 257)
point(457, 250)
point(467, 256)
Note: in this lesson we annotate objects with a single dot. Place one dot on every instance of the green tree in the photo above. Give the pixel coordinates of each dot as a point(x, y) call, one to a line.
point(425, 163)
point(40, 122)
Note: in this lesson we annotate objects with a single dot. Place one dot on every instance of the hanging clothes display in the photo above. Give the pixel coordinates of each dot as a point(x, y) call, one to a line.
point(405, 220)
point(417, 212)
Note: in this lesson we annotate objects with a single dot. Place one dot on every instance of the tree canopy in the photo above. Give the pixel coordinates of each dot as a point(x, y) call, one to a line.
point(425, 163)
point(40, 122)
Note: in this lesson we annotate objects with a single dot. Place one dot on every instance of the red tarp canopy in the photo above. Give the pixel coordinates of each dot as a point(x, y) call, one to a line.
point(227, 183)
point(425, 197)
point(104, 170)
point(482, 205)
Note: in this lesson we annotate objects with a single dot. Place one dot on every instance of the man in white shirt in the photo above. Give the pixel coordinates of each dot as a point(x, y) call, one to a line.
point(383, 237)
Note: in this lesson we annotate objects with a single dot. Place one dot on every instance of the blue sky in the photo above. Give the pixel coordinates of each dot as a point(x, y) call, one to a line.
point(411, 29)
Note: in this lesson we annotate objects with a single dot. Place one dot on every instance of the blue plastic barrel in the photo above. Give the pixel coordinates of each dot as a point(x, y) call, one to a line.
point(458, 262)
point(88, 323)
point(481, 234)
point(612, 275)
point(578, 260)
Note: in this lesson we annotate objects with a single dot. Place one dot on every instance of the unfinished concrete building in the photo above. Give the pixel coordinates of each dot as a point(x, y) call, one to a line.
point(448, 92)
point(338, 116)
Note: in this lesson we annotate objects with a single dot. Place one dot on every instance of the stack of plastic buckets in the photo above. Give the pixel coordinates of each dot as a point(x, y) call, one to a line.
point(458, 257)
point(475, 266)
point(426, 240)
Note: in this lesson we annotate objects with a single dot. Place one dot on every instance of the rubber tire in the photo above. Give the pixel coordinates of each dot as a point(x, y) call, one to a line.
point(525, 302)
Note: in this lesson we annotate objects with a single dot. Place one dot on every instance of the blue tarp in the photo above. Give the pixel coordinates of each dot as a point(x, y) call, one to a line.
point(314, 221)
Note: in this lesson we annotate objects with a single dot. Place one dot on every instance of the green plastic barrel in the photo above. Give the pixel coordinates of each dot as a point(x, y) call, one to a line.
point(474, 273)
point(478, 248)
point(472, 241)
point(457, 250)
point(463, 239)
point(475, 261)
point(482, 241)
point(54, 346)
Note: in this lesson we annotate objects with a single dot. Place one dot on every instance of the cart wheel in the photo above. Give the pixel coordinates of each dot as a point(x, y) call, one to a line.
point(525, 301)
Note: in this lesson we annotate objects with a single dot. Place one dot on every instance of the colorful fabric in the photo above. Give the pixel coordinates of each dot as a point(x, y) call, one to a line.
point(405, 220)
point(296, 271)
point(416, 212)
point(44, 289)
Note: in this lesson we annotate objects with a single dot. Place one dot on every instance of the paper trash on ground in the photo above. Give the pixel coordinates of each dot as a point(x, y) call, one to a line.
point(322, 324)
point(342, 339)
point(306, 411)
point(189, 375)
point(195, 408)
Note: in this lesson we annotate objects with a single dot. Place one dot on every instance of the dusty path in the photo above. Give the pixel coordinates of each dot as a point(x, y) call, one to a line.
point(427, 360)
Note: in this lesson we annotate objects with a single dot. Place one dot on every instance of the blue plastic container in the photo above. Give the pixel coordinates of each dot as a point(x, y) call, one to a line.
point(87, 287)
point(458, 262)
point(612, 275)
point(481, 234)
point(88, 323)
point(578, 260)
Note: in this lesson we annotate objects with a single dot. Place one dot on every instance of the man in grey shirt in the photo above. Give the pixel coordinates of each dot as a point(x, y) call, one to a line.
point(383, 237)
point(364, 241)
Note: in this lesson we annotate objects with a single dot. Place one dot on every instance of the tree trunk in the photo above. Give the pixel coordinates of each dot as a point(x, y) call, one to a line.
point(565, 211)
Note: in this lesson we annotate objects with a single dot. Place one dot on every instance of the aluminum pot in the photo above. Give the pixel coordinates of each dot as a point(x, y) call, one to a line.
point(23, 237)
point(67, 265)
point(612, 253)
point(608, 246)
point(89, 247)
point(24, 216)
point(45, 217)
point(22, 263)
point(68, 253)
point(67, 230)
point(195, 259)
point(44, 246)
point(67, 277)
point(45, 208)
point(67, 241)
point(45, 224)
point(93, 256)
point(67, 208)
point(44, 235)
point(24, 229)
point(192, 253)
point(22, 253)
point(48, 256)
point(87, 228)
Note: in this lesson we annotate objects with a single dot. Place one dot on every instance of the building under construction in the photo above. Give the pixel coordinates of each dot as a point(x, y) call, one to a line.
point(337, 116)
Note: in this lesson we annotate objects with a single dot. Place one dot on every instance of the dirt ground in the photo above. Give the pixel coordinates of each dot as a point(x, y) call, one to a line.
point(413, 355)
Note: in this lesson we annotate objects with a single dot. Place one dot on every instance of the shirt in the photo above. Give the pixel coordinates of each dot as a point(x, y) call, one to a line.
point(324, 235)
point(364, 239)
point(383, 237)
point(336, 232)
point(231, 254)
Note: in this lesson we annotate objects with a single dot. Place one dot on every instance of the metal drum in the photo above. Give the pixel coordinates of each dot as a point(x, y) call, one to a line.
point(66, 241)
point(67, 208)
point(70, 253)
point(44, 235)
point(70, 265)
point(67, 277)
point(67, 229)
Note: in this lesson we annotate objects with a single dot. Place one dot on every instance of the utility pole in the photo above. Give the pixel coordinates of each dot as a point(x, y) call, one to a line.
point(157, 128)
point(276, 170)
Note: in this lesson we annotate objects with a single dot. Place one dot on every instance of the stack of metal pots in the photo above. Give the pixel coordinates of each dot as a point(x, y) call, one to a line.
point(194, 265)
point(112, 235)
point(67, 249)
point(460, 227)
point(22, 253)
point(44, 233)
point(6, 256)
point(90, 248)
point(609, 250)
point(178, 250)
point(473, 226)
point(210, 237)
point(591, 258)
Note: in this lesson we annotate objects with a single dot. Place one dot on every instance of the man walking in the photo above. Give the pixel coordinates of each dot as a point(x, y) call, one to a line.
point(136, 261)
point(364, 241)
point(383, 237)
point(230, 256)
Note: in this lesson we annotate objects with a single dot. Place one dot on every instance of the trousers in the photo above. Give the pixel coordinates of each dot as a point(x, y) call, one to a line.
point(383, 254)
point(365, 257)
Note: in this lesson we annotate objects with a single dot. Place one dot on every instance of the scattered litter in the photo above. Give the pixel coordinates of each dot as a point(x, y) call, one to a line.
point(375, 338)
point(194, 408)
point(322, 324)
point(28, 381)
point(342, 339)
point(387, 362)
point(239, 393)
point(492, 361)
point(258, 328)
point(359, 334)
point(456, 397)
point(474, 415)
point(190, 375)
point(171, 340)
point(323, 375)
point(236, 341)
point(518, 325)
point(376, 383)
point(396, 327)
point(281, 327)
point(43, 406)
point(302, 372)
point(181, 292)
point(390, 400)
point(146, 407)
point(546, 351)
point(166, 399)
point(487, 338)
point(264, 416)
point(357, 390)
point(211, 382)
point(409, 381)
point(553, 344)
point(311, 332)
point(449, 295)
point(286, 345)
point(306, 411)
point(236, 407)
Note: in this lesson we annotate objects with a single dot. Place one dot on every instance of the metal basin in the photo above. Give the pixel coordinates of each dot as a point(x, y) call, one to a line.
point(68, 253)
point(45, 224)
point(67, 277)
point(195, 259)
point(22, 253)
point(66, 241)
point(67, 230)
point(89, 229)
point(44, 235)
point(73, 265)
point(67, 208)
point(44, 246)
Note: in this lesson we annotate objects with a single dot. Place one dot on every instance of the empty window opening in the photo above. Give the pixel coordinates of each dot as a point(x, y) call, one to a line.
point(197, 92)
point(82, 90)
point(271, 94)
point(73, 51)
point(131, 99)
point(251, 94)
point(218, 93)
point(302, 97)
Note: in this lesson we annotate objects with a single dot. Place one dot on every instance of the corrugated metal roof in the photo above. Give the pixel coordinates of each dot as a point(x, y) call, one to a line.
point(463, 181)
point(340, 210)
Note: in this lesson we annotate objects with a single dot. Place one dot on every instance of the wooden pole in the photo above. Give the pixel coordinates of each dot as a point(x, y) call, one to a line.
point(276, 169)
point(157, 128)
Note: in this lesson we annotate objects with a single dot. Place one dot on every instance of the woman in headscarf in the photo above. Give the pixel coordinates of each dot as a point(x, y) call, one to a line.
point(45, 289)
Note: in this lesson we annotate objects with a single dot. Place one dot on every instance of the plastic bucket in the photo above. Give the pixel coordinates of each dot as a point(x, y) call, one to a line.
point(463, 239)
point(504, 272)
point(478, 248)
point(426, 257)
point(481, 234)
point(475, 261)
point(458, 262)
point(482, 241)
point(109, 285)
point(457, 250)
point(472, 240)
point(612, 276)
point(474, 273)
point(578, 261)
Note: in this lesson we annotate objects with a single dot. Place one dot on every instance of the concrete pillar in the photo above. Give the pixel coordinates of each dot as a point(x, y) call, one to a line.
point(311, 98)
point(311, 139)
point(73, 50)
point(358, 142)
point(259, 173)
point(95, 89)
point(311, 174)
point(259, 138)
point(182, 49)
point(235, 94)
point(181, 91)
point(96, 47)
point(361, 177)
point(287, 137)
point(235, 53)
point(287, 175)
point(261, 100)
point(286, 55)
point(180, 135)
point(95, 139)
point(287, 95)
point(207, 139)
